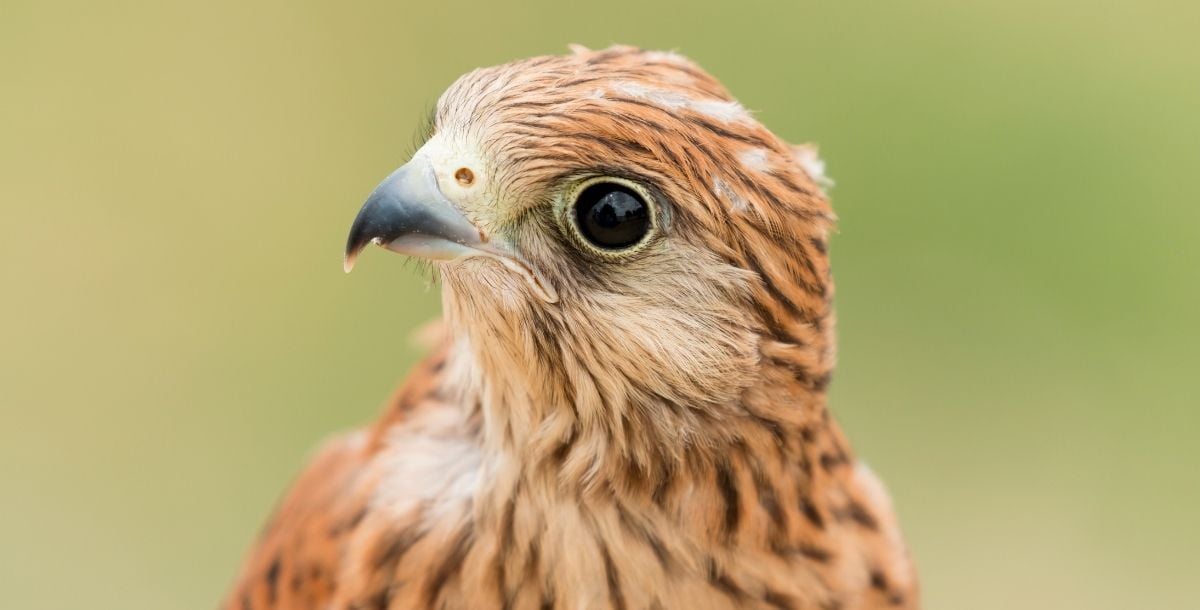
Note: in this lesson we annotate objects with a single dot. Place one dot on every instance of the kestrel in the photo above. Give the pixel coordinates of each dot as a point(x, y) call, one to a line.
point(628, 407)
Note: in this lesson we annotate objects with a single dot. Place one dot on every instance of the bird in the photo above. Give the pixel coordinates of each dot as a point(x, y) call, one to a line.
point(625, 404)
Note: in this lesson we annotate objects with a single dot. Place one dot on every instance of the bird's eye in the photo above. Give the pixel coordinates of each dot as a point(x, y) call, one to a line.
point(611, 216)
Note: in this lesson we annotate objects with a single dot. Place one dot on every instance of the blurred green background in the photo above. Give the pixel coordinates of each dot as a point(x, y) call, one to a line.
point(1017, 267)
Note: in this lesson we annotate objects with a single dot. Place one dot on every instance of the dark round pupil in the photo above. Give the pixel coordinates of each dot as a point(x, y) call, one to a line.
point(611, 216)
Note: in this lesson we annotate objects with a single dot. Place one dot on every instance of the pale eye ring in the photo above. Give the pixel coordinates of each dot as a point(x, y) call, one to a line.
point(611, 216)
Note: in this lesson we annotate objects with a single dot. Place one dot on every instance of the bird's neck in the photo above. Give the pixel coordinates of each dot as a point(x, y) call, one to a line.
point(536, 429)
point(756, 479)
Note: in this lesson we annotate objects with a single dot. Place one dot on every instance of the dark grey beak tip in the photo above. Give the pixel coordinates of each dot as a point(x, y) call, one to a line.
point(360, 235)
point(383, 217)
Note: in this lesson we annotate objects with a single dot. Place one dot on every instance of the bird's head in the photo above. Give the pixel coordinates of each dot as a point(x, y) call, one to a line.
point(615, 233)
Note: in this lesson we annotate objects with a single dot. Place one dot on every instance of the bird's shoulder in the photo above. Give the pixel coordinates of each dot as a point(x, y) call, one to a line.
point(302, 554)
point(891, 576)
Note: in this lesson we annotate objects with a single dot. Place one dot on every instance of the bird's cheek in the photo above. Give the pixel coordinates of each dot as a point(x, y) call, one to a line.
point(497, 284)
point(504, 276)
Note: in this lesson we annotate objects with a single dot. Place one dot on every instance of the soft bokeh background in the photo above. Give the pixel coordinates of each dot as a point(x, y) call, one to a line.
point(1017, 265)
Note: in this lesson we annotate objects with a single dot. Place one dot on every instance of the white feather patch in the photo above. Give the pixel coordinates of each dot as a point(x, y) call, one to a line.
point(806, 155)
point(728, 195)
point(754, 159)
point(428, 463)
point(666, 56)
point(721, 110)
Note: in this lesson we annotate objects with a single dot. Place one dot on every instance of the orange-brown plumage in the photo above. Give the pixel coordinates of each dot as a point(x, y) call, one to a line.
point(634, 427)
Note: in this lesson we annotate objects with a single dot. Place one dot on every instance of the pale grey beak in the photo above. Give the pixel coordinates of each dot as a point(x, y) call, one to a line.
point(408, 214)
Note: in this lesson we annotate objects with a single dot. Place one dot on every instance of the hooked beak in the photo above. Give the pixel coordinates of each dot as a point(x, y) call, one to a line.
point(408, 214)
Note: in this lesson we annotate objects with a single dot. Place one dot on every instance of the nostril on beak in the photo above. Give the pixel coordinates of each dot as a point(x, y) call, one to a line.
point(464, 176)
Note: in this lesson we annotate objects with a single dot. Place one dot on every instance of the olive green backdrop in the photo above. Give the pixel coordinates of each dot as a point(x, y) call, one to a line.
point(1017, 266)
